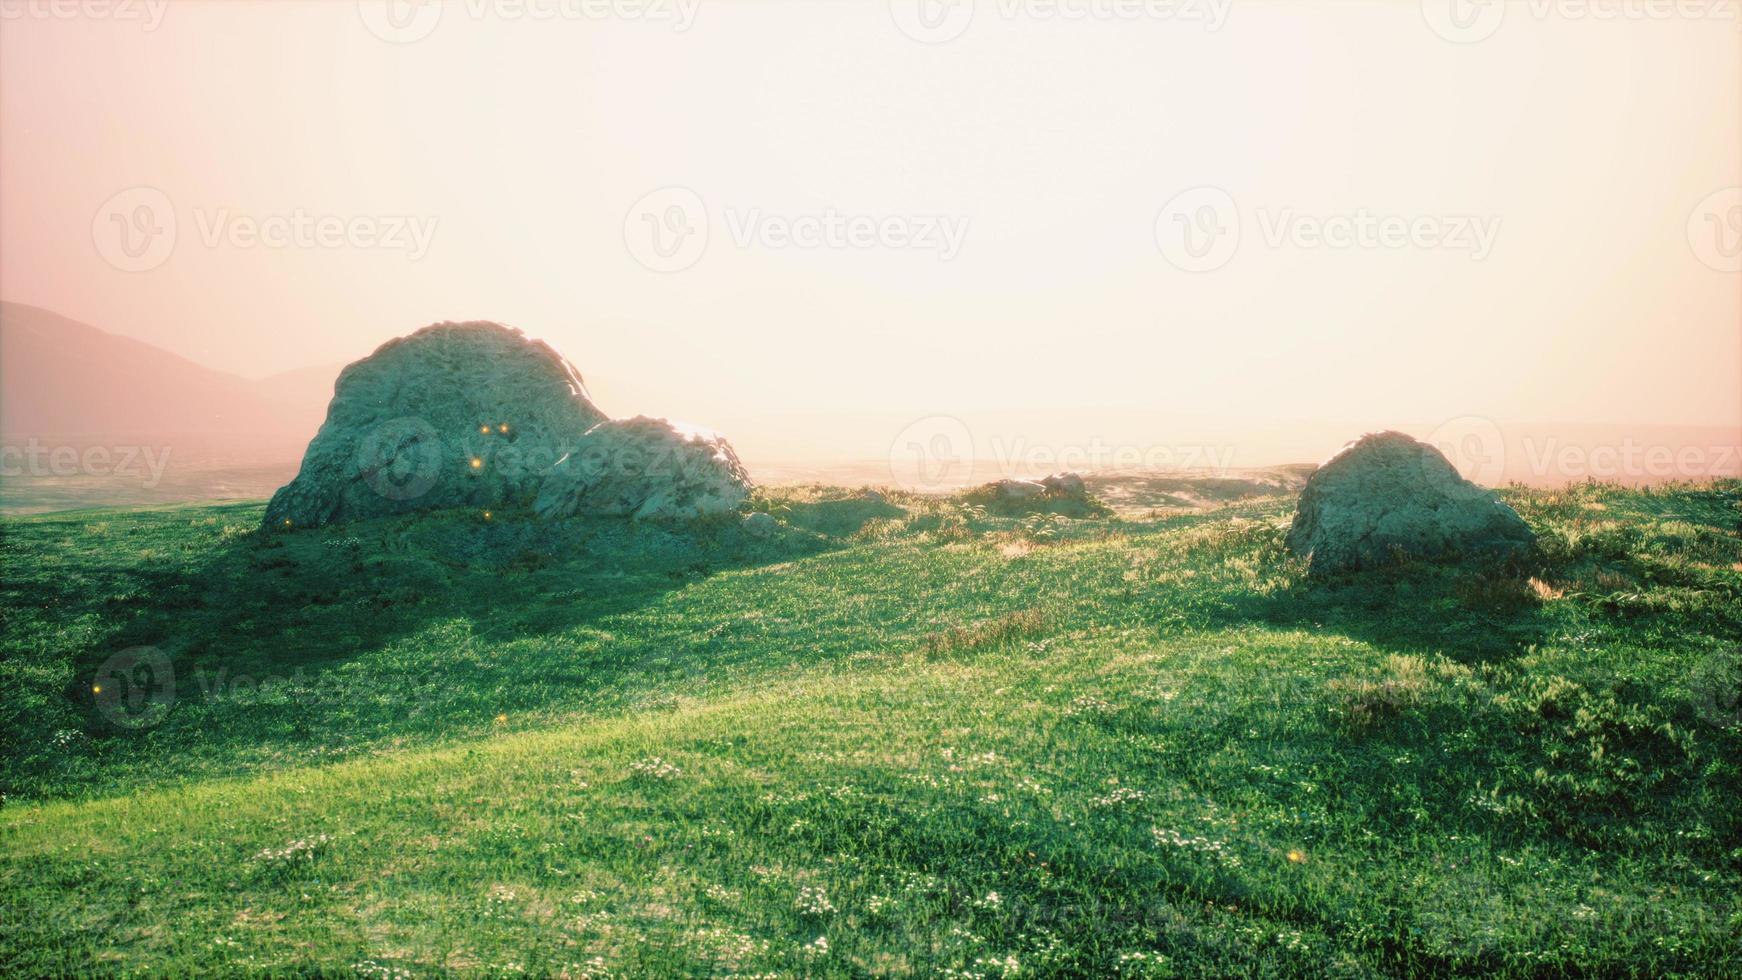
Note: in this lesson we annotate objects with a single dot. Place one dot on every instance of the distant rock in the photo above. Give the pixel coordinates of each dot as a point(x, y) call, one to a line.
point(456, 414)
point(1015, 490)
point(647, 469)
point(1061, 493)
point(1065, 485)
point(1387, 497)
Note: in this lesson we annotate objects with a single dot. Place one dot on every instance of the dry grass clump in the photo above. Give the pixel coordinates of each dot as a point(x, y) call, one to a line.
point(1544, 590)
point(983, 635)
point(1362, 703)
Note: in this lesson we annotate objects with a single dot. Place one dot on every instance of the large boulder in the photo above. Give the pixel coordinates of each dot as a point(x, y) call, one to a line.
point(456, 414)
point(1387, 497)
point(647, 469)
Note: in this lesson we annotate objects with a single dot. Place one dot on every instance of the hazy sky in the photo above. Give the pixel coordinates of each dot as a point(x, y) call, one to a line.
point(991, 221)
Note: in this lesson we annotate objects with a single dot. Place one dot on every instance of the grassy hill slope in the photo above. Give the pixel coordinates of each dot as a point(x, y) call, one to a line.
point(902, 736)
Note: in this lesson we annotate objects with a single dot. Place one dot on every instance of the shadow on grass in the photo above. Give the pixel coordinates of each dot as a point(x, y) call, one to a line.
point(835, 516)
point(377, 628)
point(266, 600)
point(1468, 614)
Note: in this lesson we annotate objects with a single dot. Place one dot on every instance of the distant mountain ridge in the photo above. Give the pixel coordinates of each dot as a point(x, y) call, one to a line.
point(65, 379)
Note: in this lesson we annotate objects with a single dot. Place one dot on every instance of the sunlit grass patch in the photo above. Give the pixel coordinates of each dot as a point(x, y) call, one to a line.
point(875, 743)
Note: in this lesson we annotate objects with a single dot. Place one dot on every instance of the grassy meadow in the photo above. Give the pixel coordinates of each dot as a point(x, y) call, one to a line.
point(901, 736)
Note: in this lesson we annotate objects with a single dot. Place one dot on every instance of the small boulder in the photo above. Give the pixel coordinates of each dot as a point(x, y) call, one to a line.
point(1061, 493)
point(456, 414)
point(1387, 497)
point(1066, 485)
point(1011, 490)
point(647, 469)
point(760, 525)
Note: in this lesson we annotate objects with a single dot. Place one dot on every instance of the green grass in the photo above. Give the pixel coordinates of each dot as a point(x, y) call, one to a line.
point(900, 737)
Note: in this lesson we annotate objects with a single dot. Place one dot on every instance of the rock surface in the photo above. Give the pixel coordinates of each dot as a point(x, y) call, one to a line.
point(1013, 490)
point(1387, 497)
point(1065, 485)
point(760, 525)
point(456, 414)
point(647, 469)
point(1061, 493)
